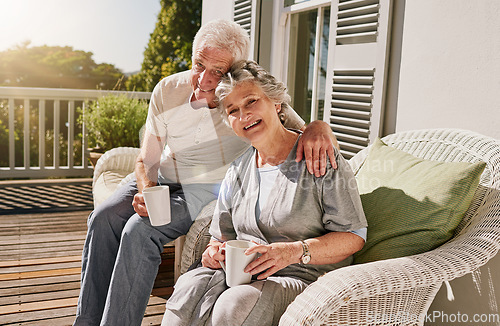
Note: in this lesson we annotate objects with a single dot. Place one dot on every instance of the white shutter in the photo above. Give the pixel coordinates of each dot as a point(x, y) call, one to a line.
point(246, 13)
point(357, 69)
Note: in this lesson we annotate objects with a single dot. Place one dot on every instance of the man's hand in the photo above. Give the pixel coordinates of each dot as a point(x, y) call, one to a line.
point(315, 145)
point(140, 205)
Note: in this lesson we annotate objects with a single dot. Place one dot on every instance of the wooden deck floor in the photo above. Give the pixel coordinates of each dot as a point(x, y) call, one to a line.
point(40, 264)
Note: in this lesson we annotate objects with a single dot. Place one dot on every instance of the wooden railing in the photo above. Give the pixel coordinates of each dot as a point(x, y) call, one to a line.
point(57, 139)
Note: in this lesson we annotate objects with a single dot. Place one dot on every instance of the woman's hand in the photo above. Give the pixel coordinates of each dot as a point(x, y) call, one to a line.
point(273, 257)
point(315, 145)
point(211, 257)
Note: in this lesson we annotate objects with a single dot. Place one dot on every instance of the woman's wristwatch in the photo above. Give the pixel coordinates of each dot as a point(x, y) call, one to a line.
point(306, 254)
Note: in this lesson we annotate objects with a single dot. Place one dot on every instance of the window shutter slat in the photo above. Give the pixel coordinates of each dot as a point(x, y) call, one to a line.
point(357, 71)
point(245, 14)
point(357, 22)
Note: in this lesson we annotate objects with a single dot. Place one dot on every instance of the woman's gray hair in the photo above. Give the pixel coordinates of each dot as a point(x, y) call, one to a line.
point(250, 71)
point(223, 35)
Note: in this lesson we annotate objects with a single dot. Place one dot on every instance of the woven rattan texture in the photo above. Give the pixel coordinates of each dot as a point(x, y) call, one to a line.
point(197, 238)
point(116, 159)
point(399, 291)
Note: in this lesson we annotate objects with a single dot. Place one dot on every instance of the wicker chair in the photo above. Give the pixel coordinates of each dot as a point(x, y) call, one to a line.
point(402, 289)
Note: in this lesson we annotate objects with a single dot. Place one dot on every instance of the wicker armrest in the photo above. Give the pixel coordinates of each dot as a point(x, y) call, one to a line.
point(378, 285)
point(110, 171)
point(120, 158)
point(339, 288)
point(197, 238)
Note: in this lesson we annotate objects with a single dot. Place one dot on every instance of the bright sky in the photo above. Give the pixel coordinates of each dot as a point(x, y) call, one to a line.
point(115, 31)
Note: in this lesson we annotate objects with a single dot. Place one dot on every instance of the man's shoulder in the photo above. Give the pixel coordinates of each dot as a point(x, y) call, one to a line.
point(174, 89)
point(178, 80)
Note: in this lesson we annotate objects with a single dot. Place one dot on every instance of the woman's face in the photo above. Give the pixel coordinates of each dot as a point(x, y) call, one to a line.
point(250, 112)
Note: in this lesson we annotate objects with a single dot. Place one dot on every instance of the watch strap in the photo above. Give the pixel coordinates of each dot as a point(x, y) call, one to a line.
point(306, 254)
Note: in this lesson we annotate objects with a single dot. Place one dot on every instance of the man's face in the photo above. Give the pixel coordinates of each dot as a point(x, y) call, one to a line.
point(209, 65)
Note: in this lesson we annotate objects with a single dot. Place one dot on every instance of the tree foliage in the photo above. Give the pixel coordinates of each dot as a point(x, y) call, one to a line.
point(55, 66)
point(169, 48)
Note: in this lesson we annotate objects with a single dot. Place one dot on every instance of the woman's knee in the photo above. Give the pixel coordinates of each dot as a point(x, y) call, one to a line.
point(235, 304)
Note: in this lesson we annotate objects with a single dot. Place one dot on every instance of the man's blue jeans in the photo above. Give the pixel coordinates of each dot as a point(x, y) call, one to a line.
point(122, 253)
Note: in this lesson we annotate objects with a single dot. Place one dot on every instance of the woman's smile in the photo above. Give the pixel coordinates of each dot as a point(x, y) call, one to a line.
point(253, 124)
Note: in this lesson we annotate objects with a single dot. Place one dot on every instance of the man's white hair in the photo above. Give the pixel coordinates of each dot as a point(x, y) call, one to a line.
point(223, 35)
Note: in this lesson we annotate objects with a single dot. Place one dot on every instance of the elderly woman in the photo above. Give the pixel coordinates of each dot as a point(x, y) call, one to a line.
point(304, 225)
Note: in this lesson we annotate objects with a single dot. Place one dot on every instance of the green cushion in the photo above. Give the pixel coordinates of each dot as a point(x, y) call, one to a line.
point(412, 205)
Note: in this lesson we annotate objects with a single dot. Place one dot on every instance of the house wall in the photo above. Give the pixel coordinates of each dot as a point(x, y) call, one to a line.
point(450, 66)
point(446, 73)
point(216, 9)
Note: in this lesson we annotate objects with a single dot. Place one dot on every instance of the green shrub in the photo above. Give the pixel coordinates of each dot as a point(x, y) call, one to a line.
point(114, 121)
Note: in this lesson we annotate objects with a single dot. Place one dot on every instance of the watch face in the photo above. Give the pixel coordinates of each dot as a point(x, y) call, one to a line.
point(306, 259)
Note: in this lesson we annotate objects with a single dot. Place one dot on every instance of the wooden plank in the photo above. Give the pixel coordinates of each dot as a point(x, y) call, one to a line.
point(155, 309)
point(36, 274)
point(152, 320)
point(47, 244)
point(47, 216)
point(36, 306)
point(154, 315)
point(39, 297)
point(40, 238)
point(40, 288)
point(46, 255)
point(6, 249)
point(43, 222)
point(19, 248)
point(42, 217)
point(59, 321)
point(162, 292)
point(38, 281)
point(37, 268)
point(75, 222)
point(26, 218)
point(40, 261)
point(34, 252)
point(37, 317)
point(36, 230)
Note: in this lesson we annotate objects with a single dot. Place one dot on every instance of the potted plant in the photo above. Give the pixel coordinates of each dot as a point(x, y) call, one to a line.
point(113, 121)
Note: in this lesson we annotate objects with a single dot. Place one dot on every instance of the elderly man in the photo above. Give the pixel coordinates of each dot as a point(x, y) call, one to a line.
point(122, 249)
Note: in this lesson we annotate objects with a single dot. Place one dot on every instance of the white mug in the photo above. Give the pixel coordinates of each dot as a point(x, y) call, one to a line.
point(158, 204)
point(236, 261)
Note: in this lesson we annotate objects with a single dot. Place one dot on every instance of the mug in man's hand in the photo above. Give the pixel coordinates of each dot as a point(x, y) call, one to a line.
point(157, 201)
